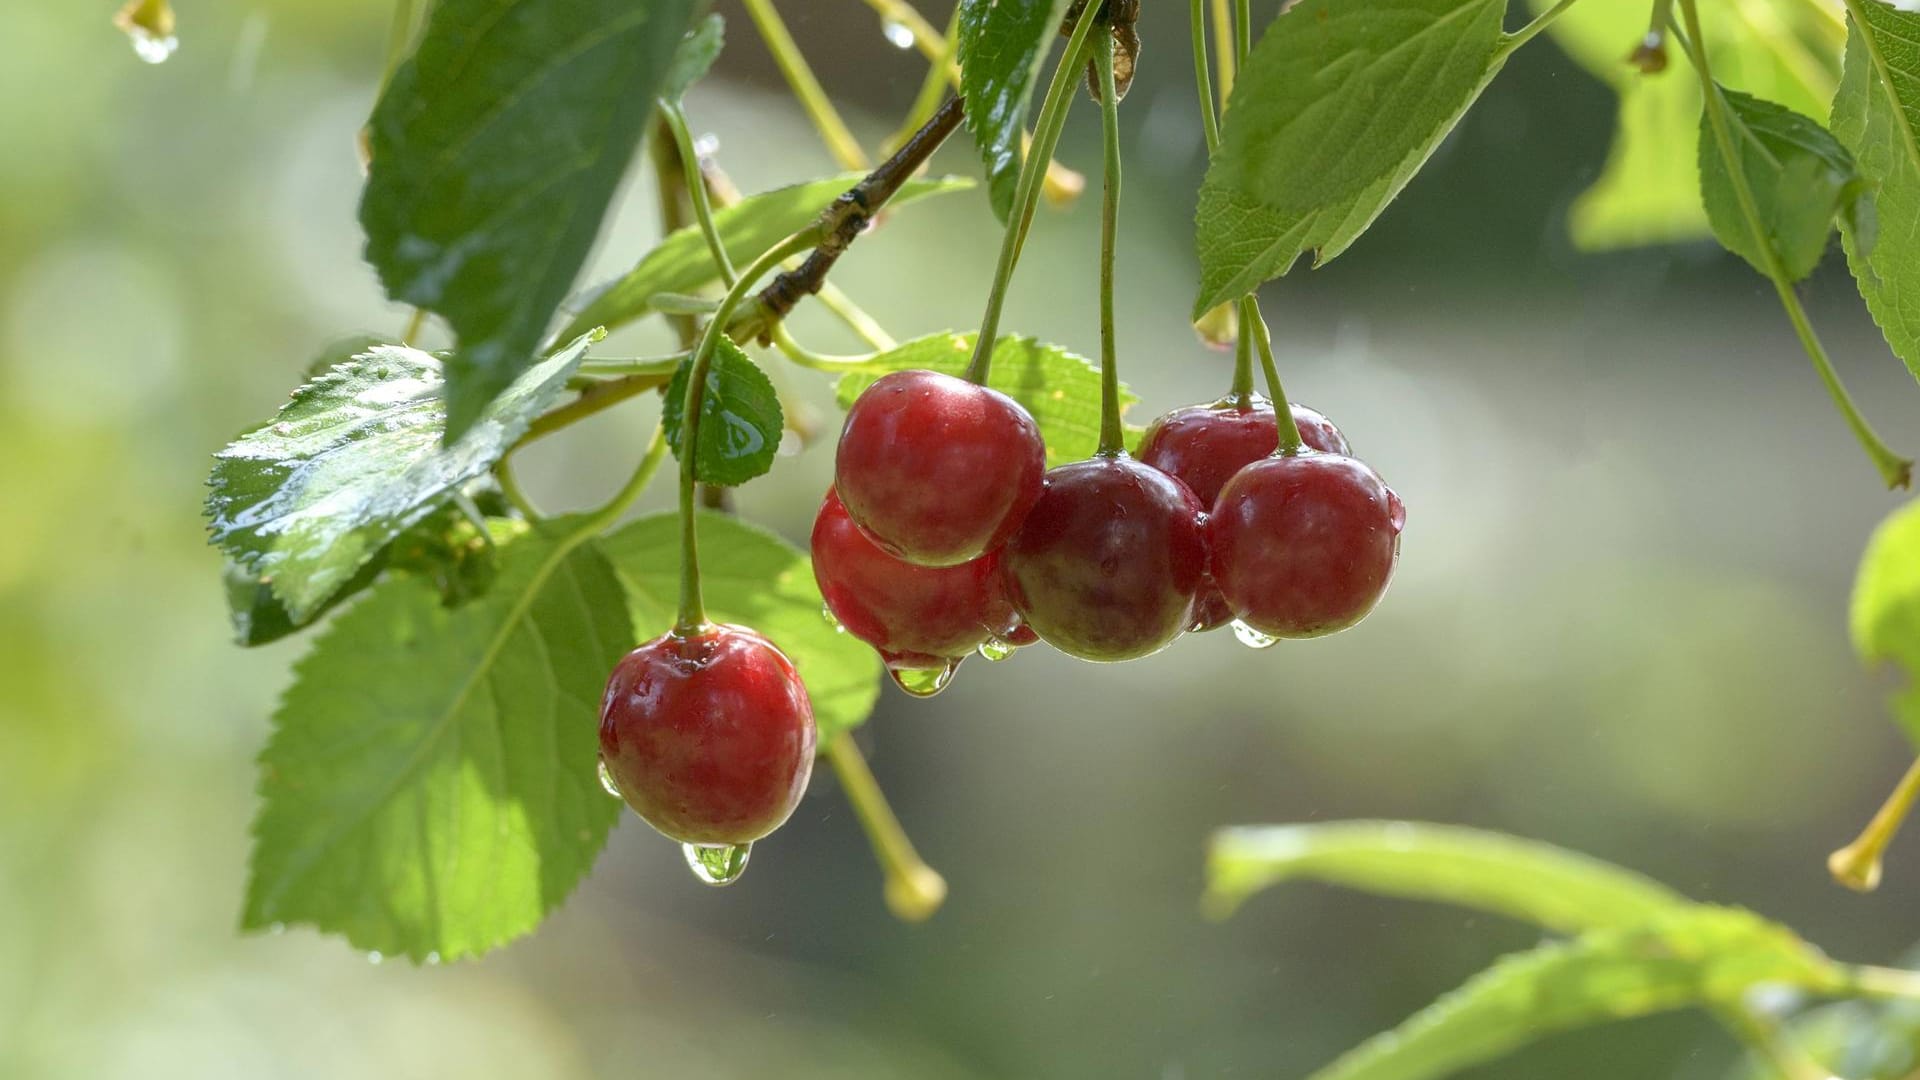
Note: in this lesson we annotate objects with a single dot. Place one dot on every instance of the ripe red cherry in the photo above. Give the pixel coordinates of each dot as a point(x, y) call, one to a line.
point(1202, 446)
point(916, 616)
point(1303, 544)
point(710, 736)
point(937, 470)
point(1108, 561)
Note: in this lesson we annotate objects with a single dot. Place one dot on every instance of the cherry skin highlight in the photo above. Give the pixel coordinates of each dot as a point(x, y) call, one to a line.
point(1107, 564)
point(916, 616)
point(937, 470)
point(1202, 446)
point(1303, 544)
point(708, 736)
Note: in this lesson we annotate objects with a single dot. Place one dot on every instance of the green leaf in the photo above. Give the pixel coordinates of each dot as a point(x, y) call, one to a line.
point(308, 499)
point(259, 618)
point(1539, 883)
point(1701, 956)
point(1876, 115)
point(429, 789)
point(1002, 43)
point(1061, 390)
point(496, 150)
point(1646, 193)
point(740, 419)
point(1885, 615)
point(1800, 176)
point(695, 56)
point(753, 578)
point(1338, 107)
point(681, 263)
point(1854, 1039)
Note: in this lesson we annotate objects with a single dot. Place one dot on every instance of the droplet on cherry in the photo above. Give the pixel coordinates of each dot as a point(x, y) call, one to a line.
point(919, 679)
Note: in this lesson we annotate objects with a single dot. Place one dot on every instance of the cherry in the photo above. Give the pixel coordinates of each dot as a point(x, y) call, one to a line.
point(937, 470)
point(708, 736)
point(1107, 563)
point(916, 616)
point(1303, 544)
point(1202, 446)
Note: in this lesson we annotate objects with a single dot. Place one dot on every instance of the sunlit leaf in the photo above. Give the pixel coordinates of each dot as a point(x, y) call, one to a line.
point(1002, 43)
point(1885, 617)
point(740, 419)
point(1877, 116)
point(1800, 177)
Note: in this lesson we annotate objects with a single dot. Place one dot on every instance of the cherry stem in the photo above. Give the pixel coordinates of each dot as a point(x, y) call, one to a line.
point(914, 890)
point(1223, 44)
point(940, 71)
point(1197, 30)
point(806, 88)
point(1242, 30)
point(1857, 866)
point(1894, 469)
point(693, 614)
point(1252, 325)
point(611, 510)
point(1113, 436)
point(1026, 191)
point(696, 185)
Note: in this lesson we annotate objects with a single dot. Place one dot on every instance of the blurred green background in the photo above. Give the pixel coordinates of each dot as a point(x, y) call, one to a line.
point(1618, 622)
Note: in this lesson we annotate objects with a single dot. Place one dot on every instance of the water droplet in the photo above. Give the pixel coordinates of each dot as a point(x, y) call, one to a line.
point(1251, 638)
point(826, 612)
point(154, 50)
point(1396, 511)
point(996, 650)
point(149, 24)
point(374, 957)
point(277, 928)
point(717, 864)
point(607, 782)
point(898, 33)
point(706, 145)
point(923, 682)
point(433, 959)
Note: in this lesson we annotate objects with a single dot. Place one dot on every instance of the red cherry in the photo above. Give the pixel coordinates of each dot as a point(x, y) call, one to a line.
point(1303, 544)
point(937, 470)
point(1107, 563)
point(916, 616)
point(710, 736)
point(1202, 446)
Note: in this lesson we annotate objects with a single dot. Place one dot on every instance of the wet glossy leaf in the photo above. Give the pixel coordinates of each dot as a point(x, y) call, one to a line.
point(356, 457)
point(1002, 43)
point(681, 264)
point(496, 149)
point(1876, 115)
point(1885, 617)
point(1800, 176)
point(429, 789)
point(751, 577)
point(740, 418)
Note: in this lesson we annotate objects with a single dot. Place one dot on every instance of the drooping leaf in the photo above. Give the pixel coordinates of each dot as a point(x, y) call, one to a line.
point(740, 418)
point(1337, 108)
point(1876, 115)
point(1002, 43)
point(1885, 616)
point(429, 789)
point(259, 618)
point(751, 577)
point(681, 264)
point(1556, 888)
point(1061, 390)
point(1646, 193)
point(356, 457)
point(1699, 956)
point(695, 56)
point(496, 149)
point(1800, 176)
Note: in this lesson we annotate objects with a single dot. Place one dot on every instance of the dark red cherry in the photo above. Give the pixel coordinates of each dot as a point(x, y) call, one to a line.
point(1303, 545)
point(1108, 561)
point(937, 470)
point(916, 616)
point(1202, 446)
point(709, 737)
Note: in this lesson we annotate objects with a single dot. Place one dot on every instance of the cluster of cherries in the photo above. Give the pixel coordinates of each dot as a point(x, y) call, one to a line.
point(945, 533)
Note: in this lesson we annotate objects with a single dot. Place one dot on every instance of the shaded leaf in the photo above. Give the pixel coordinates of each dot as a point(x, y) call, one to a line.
point(1061, 390)
point(496, 149)
point(751, 577)
point(1855, 1039)
point(695, 56)
point(1002, 43)
point(1876, 115)
point(682, 264)
point(740, 418)
point(430, 786)
point(1800, 176)
point(1885, 614)
point(356, 457)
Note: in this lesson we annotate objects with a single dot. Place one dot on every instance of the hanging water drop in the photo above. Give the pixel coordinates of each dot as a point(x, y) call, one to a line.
point(607, 781)
point(995, 650)
point(899, 34)
point(1251, 638)
point(375, 957)
point(149, 25)
point(433, 958)
point(923, 682)
point(717, 864)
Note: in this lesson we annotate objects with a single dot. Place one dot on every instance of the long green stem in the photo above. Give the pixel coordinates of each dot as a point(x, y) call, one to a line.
point(813, 99)
point(899, 13)
point(1026, 191)
point(1113, 437)
point(610, 511)
point(914, 890)
point(1254, 326)
point(1241, 389)
point(1890, 984)
point(1857, 866)
point(1894, 469)
point(676, 121)
point(1770, 1044)
point(693, 614)
point(1242, 30)
point(1510, 42)
point(933, 89)
point(1223, 47)
point(1197, 30)
point(509, 482)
